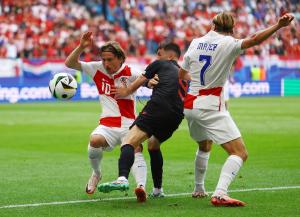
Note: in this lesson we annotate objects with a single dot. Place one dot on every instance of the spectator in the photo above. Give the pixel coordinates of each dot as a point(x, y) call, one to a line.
point(133, 23)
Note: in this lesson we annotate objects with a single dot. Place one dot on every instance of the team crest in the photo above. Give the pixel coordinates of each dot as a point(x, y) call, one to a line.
point(123, 81)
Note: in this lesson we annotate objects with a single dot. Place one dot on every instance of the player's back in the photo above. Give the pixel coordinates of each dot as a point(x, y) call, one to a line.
point(165, 94)
point(209, 60)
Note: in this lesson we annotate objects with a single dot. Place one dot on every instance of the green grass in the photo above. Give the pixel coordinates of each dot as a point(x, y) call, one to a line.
point(43, 159)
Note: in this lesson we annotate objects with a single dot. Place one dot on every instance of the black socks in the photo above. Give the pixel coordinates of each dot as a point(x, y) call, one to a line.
point(156, 161)
point(126, 160)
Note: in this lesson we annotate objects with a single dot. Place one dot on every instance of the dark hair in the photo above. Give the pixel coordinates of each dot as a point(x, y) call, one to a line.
point(115, 48)
point(224, 22)
point(160, 46)
point(172, 47)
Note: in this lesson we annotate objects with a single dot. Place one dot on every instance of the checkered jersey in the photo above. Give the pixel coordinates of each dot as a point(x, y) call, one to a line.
point(115, 112)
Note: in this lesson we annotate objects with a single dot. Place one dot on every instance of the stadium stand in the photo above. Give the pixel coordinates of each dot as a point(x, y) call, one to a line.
point(50, 28)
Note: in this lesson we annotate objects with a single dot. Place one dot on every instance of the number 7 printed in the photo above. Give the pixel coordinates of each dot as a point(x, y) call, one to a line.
point(207, 63)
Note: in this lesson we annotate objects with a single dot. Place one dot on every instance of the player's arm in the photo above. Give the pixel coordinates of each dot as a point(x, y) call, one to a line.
point(125, 91)
point(151, 83)
point(262, 35)
point(149, 73)
point(72, 60)
point(183, 74)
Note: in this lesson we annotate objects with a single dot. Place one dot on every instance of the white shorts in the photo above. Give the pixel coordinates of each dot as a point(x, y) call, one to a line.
point(113, 135)
point(217, 126)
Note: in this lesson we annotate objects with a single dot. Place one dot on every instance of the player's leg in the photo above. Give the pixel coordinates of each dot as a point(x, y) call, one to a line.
point(156, 162)
point(201, 162)
point(95, 154)
point(139, 171)
point(198, 131)
point(237, 155)
point(163, 129)
point(139, 167)
point(224, 131)
point(132, 140)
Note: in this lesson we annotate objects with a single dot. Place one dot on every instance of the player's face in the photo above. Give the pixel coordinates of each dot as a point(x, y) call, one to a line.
point(161, 54)
point(111, 62)
point(165, 55)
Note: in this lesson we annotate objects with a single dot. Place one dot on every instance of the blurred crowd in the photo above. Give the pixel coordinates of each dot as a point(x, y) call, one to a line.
point(52, 28)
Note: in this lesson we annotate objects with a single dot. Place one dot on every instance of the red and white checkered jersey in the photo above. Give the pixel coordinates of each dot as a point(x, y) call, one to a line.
point(115, 112)
point(209, 59)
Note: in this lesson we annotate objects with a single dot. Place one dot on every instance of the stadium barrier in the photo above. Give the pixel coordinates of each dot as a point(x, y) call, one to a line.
point(27, 80)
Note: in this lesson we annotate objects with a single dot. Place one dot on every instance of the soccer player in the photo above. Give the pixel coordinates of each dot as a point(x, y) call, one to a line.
point(208, 60)
point(117, 114)
point(159, 118)
point(156, 157)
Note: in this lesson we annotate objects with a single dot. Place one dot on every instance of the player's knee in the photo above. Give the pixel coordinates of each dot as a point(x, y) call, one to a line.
point(153, 144)
point(205, 145)
point(139, 149)
point(97, 141)
point(244, 155)
point(152, 148)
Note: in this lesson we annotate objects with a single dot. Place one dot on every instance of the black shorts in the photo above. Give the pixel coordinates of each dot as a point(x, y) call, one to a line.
point(158, 121)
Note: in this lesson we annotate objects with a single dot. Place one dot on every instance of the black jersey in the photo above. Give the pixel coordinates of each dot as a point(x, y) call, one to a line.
point(168, 93)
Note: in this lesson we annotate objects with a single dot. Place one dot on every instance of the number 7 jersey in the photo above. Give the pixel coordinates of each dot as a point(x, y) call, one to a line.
point(209, 60)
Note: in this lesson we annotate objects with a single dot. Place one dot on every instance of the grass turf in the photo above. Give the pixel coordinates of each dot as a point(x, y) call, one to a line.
point(43, 159)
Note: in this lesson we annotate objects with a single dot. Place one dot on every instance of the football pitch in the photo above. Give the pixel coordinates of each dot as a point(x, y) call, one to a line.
point(44, 165)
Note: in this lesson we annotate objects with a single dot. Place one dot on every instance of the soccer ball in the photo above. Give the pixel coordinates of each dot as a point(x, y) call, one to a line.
point(63, 86)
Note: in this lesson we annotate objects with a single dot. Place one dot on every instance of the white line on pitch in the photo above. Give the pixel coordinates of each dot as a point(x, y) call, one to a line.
point(128, 198)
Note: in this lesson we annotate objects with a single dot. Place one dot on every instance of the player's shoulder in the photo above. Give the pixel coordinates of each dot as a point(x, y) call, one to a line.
point(92, 67)
point(97, 65)
point(157, 62)
point(127, 71)
point(92, 63)
point(132, 70)
point(230, 38)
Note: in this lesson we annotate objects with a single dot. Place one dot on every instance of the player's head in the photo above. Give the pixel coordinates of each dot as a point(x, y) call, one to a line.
point(223, 23)
point(168, 51)
point(160, 51)
point(113, 56)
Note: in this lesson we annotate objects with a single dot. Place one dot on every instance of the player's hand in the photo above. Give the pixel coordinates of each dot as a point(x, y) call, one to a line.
point(86, 40)
point(187, 77)
point(119, 92)
point(153, 81)
point(285, 20)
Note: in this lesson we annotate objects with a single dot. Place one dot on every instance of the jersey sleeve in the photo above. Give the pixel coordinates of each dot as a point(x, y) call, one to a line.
point(152, 69)
point(90, 67)
point(186, 58)
point(237, 46)
point(185, 63)
point(135, 73)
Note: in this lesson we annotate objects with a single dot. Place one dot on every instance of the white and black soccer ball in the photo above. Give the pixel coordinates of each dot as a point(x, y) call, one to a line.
point(63, 86)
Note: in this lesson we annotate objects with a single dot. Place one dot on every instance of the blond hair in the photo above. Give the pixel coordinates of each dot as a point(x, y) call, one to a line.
point(224, 22)
point(115, 48)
